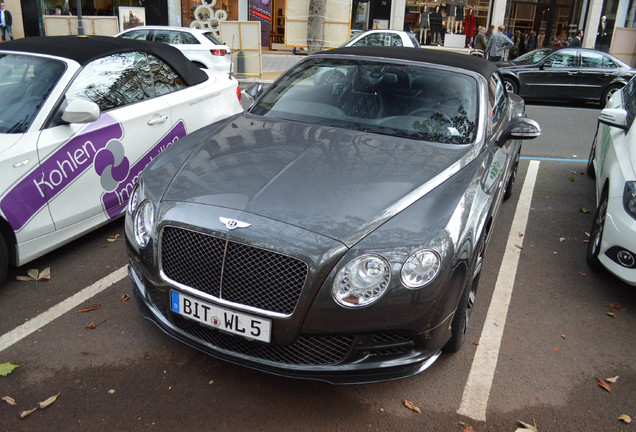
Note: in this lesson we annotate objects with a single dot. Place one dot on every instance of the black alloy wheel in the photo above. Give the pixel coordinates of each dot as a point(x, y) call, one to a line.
point(461, 319)
point(596, 233)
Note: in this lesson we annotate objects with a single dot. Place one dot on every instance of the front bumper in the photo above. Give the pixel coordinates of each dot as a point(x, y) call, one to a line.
point(333, 358)
point(619, 233)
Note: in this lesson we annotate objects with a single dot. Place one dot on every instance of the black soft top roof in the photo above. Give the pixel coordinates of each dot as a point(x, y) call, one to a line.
point(444, 58)
point(84, 49)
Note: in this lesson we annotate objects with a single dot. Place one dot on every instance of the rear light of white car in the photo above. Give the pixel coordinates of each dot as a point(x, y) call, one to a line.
point(218, 52)
point(238, 93)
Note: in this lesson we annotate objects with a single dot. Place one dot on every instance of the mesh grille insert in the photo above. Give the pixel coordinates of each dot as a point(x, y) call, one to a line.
point(232, 271)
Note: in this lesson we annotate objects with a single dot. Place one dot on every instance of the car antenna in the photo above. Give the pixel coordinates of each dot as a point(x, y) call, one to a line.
point(232, 63)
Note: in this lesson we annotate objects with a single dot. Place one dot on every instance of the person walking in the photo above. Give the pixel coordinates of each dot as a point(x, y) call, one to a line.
point(497, 45)
point(6, 21)
point(576, 42)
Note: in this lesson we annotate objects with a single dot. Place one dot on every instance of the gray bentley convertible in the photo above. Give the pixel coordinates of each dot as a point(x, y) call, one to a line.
point(336, 229)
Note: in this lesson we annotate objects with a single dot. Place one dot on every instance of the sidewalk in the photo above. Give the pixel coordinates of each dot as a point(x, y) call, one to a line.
point(273, 66)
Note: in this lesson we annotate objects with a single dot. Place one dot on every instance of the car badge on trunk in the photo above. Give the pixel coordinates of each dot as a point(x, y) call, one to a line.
point(233, 223)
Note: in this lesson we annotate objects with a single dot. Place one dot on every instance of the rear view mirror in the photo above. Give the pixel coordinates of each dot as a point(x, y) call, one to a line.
point(81, 111)
point(253, 91)
point(616, 117)
point(522, 128)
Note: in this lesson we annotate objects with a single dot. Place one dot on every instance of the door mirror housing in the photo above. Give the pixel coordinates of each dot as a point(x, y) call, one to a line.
point(615, 117)
point(522, 128)
point(81, 111)
point(253, 91)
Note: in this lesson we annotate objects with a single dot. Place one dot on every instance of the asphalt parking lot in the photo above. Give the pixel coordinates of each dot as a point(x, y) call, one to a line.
point(559, 327)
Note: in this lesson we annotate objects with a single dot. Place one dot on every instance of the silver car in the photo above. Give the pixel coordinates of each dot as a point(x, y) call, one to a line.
point(335, 230)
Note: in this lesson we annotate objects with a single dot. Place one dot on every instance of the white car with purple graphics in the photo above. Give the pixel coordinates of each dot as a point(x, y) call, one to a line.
point(80, 118)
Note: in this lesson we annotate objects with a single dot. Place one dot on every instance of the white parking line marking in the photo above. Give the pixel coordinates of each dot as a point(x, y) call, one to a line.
point(34, 324)
point(482, 371)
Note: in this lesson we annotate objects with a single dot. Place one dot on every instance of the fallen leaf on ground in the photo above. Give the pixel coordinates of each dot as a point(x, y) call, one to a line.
point(563, 336)
point(572, 179)
point(91, 326)
point(48, 402)
point(89, 308)
point(111, 391)
point(23, 414)
point(520, 234)
point(468, 429)
point(582, 274)
point(613, 306)
point(125, 297)
point(9, 400)
point(7, 368)
point(584, 210)
point(612, 314)
point(612, 380)
point(526, 427)
point(556, 350)
point(562, 239)
point(113, 238)
point(411, 406)
point(36, 275)
point(519, 247)
point(625, 418)
point(603, 385)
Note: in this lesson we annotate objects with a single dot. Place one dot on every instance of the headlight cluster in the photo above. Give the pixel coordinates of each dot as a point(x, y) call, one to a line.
point(629, 198)
point(364, 279)
point(143, 217)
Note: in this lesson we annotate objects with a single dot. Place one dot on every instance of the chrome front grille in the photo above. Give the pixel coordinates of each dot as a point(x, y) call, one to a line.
point(232, 271)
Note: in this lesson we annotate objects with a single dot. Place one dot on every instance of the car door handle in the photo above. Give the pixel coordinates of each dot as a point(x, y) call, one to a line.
point(158, 119)
point(573, 73)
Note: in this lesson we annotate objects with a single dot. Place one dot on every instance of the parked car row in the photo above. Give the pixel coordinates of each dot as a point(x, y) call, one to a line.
point(335, 230)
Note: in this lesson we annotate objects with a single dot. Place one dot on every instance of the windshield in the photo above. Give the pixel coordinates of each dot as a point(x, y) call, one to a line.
point(532, 57)
point(401, 100)
point(25, 83)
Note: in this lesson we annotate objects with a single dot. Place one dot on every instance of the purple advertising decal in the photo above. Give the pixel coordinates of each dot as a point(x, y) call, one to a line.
point(59, 170)
point(115, 199)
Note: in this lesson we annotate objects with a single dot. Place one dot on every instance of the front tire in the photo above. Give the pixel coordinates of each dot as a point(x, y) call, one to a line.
point(511, 85)
point(596, 234)
point(461, 319)
point(590, 161)
point(609, 93)
point(4, 260)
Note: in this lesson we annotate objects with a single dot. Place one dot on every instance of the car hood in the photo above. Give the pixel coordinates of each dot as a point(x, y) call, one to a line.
point(336, 182)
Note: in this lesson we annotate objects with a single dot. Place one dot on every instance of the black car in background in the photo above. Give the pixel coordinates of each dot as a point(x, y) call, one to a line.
point(566, 74)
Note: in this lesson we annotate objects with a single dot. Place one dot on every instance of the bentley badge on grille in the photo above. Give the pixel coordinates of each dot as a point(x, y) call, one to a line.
point(233, 223)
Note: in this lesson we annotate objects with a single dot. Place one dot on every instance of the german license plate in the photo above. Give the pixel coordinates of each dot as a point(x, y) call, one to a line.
point(221, 318)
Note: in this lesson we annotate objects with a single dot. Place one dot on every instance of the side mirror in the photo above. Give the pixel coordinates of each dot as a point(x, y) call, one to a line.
point(616, 117)
point(522, 128)
point(253, 91)
point(81, 111)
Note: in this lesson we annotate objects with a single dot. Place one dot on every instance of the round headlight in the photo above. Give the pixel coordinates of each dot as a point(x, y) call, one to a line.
point(144, 223)
point(420, 268)
point(362, 281)
point(133, 200)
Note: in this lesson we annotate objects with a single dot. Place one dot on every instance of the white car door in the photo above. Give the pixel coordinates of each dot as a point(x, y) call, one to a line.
point(89, 170)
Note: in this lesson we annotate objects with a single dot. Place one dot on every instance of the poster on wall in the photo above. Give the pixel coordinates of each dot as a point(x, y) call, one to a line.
point(130, 17)
point(260, 10)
